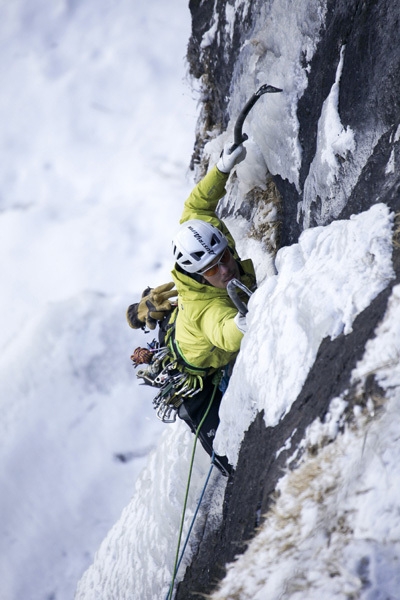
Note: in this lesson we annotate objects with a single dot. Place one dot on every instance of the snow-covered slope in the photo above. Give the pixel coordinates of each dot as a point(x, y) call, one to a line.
point(333, 531)
point(97, 127)
point(103, 138)
point(276, 355)
point(323, 283)
point(137, 557)
point(322, 534)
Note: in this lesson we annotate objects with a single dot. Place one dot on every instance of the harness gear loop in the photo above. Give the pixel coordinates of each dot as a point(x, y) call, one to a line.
point(170, 372)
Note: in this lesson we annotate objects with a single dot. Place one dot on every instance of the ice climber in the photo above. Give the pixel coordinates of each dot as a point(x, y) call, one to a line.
point(203, 333)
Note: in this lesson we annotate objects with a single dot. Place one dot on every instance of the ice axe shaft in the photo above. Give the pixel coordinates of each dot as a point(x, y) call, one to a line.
point(233, 295)
point(238, 136)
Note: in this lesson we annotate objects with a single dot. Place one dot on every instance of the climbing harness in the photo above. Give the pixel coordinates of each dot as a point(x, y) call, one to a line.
point(178, 559)
point(167, 370)
point(163, 366)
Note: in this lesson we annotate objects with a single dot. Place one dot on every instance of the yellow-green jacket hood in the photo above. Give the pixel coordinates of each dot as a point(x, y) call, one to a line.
point(205, 331)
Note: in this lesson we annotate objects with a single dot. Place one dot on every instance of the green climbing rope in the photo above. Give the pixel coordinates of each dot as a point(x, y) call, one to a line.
point(176, 563)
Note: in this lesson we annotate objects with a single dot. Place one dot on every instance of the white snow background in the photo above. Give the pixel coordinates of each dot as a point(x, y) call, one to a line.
point(334, 529)
point(69, 400)
point(97, 129)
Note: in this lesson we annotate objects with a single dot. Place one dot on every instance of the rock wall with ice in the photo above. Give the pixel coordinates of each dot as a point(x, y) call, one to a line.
point(329, 148)
point(315, 389)
point(337, 65)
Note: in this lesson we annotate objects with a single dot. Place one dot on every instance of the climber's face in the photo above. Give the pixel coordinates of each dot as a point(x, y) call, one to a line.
point(221, 270)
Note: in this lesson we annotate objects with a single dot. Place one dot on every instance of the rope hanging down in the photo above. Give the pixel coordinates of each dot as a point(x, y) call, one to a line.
point(178, 561)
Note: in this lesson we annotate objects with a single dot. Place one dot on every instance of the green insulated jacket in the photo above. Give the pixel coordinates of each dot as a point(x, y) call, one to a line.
point(205, 332)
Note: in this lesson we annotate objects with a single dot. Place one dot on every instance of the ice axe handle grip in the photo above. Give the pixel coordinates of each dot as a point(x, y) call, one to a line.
point(238, 141)
point(238, 136)
point(233, 295)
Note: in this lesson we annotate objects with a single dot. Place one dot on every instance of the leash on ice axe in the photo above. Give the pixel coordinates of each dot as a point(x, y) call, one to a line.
point(233, 284)
point(238, 136)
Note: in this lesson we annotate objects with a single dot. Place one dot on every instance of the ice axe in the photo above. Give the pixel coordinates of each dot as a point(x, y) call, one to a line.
point(238, 136)
point(234, 296)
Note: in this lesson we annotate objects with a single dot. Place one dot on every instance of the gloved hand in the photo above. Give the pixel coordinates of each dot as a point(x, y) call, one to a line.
point(159, 304)
point(240, 322)
point(152, 307)
point(227, 161)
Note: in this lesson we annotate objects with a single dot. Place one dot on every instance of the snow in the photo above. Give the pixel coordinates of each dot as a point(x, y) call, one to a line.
point(323, 283)
point(152, 520)
point(391, 165)
point(334, 144)
point(323, 537)
point(382, 354)
point(95, 146)
point(97, 131)
point(209, 35)
point(334, 529)
point(273, 54)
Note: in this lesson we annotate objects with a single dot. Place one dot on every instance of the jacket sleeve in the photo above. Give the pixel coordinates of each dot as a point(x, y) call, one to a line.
point(204, 198)
point(219, 327)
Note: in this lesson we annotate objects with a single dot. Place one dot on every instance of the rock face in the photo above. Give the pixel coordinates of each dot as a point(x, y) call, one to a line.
point(358, 41)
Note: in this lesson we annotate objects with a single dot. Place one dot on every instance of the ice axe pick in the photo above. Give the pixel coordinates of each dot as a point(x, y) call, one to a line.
point(238, 136)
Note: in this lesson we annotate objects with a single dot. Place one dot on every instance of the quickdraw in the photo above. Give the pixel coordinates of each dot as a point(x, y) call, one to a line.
point(164, 371)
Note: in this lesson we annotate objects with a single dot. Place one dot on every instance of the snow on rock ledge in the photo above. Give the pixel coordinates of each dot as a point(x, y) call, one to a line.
point(323, 283)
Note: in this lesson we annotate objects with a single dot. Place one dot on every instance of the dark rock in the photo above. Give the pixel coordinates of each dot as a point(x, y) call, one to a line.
point(214, 64)
point(251, 490)
point(369, 104)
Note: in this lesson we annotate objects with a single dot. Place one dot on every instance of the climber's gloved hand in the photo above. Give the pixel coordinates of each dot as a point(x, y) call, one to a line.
point(137, 313)
point(240, 322)
point(228, 160)
point(154, 306)
point(159, 304)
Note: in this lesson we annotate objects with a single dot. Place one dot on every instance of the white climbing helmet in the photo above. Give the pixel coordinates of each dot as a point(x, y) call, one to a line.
point(196, 244)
